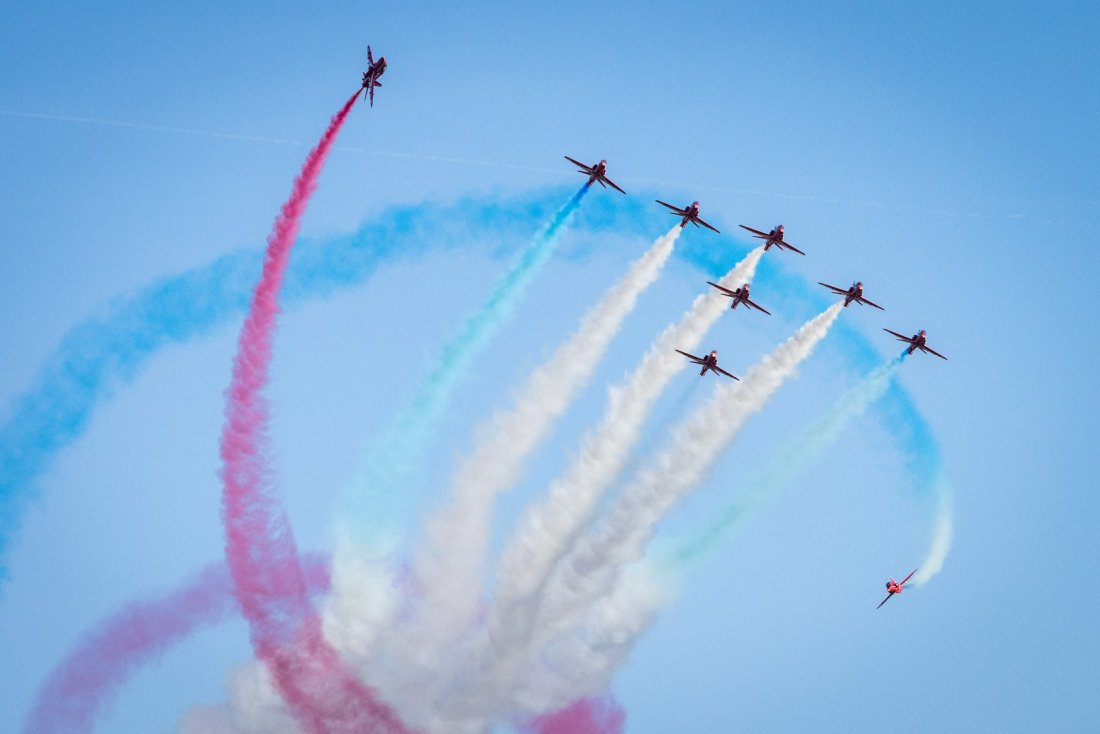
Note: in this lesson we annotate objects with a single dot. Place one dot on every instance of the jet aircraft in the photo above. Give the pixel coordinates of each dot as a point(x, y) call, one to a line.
point(709, 362)
point(597, 173)
point(374, 70)
point(917, 341)
point(855, 293)
point(893, 587)
point(739, 296)
point(689, 214)
point(774, 237)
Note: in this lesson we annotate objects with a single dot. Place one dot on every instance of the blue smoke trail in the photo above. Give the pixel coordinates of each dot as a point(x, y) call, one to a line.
point(106, 351)
point(381, 497)
point(792, 460)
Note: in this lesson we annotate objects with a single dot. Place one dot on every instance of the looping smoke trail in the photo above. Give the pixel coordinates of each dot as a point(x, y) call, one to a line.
point(791, 460)
point(82, 686)
point(591, 569)
point(390, 466)
point(458, 535)
point(322, 693)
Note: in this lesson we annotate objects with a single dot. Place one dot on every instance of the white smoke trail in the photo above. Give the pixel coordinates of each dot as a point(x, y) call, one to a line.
point(450, 570)
point(943, 528)
point(550, 526)
point(590, 571)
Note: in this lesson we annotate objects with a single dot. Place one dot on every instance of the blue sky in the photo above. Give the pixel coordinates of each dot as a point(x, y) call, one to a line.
point(946, 154)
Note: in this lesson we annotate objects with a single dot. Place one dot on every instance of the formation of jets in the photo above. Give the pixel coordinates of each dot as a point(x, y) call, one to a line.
point(597, 173)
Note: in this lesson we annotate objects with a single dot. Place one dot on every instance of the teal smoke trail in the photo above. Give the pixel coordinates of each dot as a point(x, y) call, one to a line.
point(106, 351)
point(393, 462)
point(791, 461)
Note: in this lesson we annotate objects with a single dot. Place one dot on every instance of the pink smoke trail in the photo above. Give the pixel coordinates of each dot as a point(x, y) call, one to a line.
point(586, 716)
point(85, 682)
point(322, 693)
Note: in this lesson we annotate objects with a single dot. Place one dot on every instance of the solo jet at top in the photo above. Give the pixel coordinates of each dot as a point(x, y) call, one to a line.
point(917, 341)
point(774, 237)
point(739, 296)
point(597, 172)
point(689, 214)
point(374, 70)
point(893, 587)
point(709, 362)
point(855, 293)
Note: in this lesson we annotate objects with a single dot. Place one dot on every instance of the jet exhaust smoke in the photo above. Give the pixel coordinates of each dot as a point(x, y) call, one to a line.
point(323, 694)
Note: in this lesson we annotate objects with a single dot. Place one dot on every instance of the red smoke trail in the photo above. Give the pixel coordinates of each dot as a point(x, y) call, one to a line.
point(84, 683)
point(321, 691)
point(586, 716)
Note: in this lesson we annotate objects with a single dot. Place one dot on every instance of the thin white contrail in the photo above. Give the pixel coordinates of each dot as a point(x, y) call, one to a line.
point(590, 571)
point(550, 526)
point(943, 528)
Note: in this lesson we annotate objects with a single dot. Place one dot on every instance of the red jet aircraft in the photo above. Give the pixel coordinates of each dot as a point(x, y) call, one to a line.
point(775, 237)
point(855, 293)
point(709, 362)
point(893, 587)
point(739, 296)
point(917, 341)
point(689, 214)
point(597, 173)
point(374, 70)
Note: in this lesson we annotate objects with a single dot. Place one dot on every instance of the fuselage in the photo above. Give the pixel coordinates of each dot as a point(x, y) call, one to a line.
point(377, 69)
point(854, 293)
point(709, 362)
point(741, 295)
point(774, 237)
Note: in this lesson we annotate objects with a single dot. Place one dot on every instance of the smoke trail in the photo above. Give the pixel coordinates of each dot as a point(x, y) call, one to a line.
point(793, 459)
point(391, 464)
point(107, 350)
point(550, 526)
point(943, 527)
point(459, 534)
point(590, 571)
point(268, 581)
point(85, 682)
point(586, 716)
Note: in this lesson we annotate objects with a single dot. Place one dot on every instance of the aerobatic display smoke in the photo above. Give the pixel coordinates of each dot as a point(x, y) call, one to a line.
point(392, 463)
point(322, 693)
point(451, 569)
point(791, 460)
point(943, 527)
point(586, 716)
point(549, 527)
point(592, 568)
point(83, 685)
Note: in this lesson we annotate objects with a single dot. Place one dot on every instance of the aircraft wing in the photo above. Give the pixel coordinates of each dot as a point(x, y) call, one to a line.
point(676, 210)
point(692, 357)
point(834, 289)
point(613, 185)
point(758, 307)
point(716, 368)
point(908, 339)
point(575, 162)
point(706, 225)
point(370, 57)
point(791, 247)
point(722, 288)
point(884, 601)
point(903, 581)
point(927, 348)
point(754, 231)
point(861, 299)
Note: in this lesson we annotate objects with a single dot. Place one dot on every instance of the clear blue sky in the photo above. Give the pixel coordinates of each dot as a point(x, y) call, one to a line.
point(945, 153)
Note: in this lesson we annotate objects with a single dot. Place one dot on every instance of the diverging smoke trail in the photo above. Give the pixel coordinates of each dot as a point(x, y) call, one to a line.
point(321, 692)
point(549, 527)
point(88, 678)
point(791, 460)
point(943, 528)
point(590, 571)
point(450, 570)
point(391, 465)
